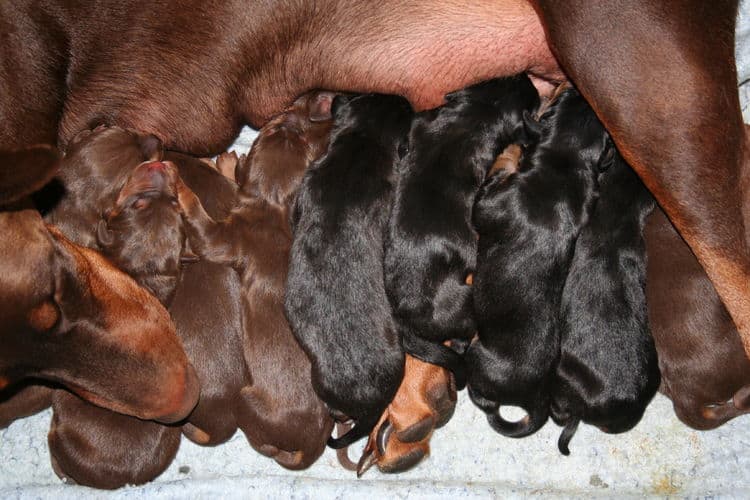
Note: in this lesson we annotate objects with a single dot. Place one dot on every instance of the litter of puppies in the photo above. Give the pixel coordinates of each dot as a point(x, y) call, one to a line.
point(366, 263)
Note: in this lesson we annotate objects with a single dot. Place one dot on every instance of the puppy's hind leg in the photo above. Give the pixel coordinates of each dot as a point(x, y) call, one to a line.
point(435, 354)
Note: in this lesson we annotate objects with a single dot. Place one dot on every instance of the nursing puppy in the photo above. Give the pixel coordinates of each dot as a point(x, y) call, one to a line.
point(431, 244)
point(205, 309)
point(281, 415)
point(142, 234)
point(336, 301)
point(608, 370)
point(704, 370)
point(528, 222)
point(97, 165)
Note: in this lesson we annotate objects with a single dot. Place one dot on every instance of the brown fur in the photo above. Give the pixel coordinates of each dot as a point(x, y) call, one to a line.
point(704, 370)
point(97, 448)
point(61, 301)
point(425, 401)
point(280, 413)
point(22, 400)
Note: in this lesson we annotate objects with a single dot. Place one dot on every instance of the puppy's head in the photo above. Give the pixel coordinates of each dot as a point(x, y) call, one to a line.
point(380, 117)
point(571, 127)
point(142, 233)
point(502, 102)
point(285, 147)
point(94, 170)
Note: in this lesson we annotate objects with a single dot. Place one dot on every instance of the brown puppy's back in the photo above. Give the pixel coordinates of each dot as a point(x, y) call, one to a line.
point(703, 366)
point(206, 311)
point(113, 450)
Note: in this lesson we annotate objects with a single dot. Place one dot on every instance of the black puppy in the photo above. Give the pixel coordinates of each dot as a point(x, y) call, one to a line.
point(528, 222)
point(431, 245)
point(335, 300)
point(608, 370)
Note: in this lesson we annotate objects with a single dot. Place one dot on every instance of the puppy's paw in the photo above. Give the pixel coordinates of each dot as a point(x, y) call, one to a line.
point(391, 455)
point(226, 163)
point(425, 401)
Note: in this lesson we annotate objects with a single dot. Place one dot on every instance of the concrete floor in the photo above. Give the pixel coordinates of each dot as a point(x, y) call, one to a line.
point(660, 457)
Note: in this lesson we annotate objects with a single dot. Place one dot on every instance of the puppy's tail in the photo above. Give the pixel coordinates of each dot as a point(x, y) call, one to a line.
point(342, 454)
point(566, 435)
point(532, 422)
point(436, 354)
point(362, 428)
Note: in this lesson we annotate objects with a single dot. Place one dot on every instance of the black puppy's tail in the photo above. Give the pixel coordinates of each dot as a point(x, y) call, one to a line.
point(532, 422)
point(566, 435)
point(362, 427)
point(436, 354)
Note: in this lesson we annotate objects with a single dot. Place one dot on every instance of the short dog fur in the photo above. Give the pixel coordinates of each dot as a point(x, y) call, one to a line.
point(283, 417)
point(704, 370)
point(608, 370)
point(142, 232)
point(62, 302)
point(431, 244)
point(336, 301)
point(527, 223)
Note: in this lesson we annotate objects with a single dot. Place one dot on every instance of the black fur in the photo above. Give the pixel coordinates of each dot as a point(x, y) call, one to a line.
point(335, 300)
point(431, 244)
point(608, 370)
point(528, 222)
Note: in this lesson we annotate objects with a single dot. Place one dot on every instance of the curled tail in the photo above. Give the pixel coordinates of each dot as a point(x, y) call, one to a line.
point(566, 435)
point(436, 354)
point(532, 422)
point(342, 454)
point(362, 427)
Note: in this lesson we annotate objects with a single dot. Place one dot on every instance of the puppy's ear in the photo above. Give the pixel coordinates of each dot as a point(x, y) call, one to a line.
point(319, 106)
point(531, 131)
point(338, 102)
point(242, 170)
point(104, 237)
point(151, 147)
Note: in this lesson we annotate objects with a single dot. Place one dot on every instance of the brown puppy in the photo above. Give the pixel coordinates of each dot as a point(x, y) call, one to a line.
point(704, 370)
point(142, 233)
point(208, 314)
point(97, 167)
point(50, 285)
point(280, 413)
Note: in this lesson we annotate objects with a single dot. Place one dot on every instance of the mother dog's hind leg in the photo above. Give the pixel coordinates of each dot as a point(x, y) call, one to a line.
point(662, 78)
